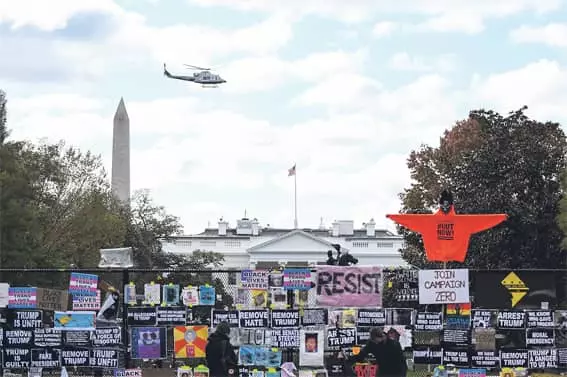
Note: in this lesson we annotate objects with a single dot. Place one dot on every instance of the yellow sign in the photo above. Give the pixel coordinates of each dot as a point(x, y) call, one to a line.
point(516, 287)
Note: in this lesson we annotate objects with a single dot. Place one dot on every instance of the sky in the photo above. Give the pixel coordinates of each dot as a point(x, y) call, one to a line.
point(343, 89)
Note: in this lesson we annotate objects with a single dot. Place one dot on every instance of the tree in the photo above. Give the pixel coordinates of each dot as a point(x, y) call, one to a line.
point(494, 164)
point(3, 116)
point(150, 225)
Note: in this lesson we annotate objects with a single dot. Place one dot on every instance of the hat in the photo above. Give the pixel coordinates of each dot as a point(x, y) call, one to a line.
point(223, 328)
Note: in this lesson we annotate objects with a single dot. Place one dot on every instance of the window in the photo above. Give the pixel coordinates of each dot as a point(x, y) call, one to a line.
point(183, 243)
point(384, 245)
point(360, 244)
point(232, 243)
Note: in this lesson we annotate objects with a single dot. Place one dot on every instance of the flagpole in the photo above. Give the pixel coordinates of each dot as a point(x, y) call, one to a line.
point(295, 198)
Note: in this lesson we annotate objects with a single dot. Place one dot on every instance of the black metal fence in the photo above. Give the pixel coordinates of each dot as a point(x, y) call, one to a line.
point(399, 291)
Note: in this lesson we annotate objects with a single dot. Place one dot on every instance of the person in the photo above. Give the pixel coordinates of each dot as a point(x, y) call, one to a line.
point(387, 352)
point(311, 343)
point(219, 353)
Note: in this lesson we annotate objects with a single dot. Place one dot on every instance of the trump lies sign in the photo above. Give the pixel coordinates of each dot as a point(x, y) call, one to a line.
point(339, 286)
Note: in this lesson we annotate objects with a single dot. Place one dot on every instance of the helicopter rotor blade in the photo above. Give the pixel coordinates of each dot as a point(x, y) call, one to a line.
point(195, 67)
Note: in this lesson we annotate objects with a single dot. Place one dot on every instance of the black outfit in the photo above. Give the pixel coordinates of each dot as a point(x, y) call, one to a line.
point(389, 357)
point(220, 355)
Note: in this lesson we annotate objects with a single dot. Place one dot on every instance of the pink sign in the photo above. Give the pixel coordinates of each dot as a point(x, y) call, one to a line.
point(339, 286)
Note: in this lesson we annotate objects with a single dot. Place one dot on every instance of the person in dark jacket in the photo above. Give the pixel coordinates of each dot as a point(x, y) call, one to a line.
point(387, 352)
point(220, 354)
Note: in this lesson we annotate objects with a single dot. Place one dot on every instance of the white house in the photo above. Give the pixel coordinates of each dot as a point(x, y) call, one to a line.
point(249, 245)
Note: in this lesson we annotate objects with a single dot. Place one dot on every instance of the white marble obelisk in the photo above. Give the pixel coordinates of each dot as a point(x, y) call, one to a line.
point(121, 154)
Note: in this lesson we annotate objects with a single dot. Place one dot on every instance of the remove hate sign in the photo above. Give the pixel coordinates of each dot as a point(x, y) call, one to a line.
point(254, 318)
point(443, 286)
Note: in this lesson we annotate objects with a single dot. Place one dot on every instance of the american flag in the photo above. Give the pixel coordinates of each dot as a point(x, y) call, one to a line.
point(291, 171)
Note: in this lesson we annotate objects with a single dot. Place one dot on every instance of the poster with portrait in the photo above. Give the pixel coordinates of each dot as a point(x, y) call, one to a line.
point(149, 342)
point(152, 294)
point(311, 348)
point(242, 298)
point(276, 279)
point(170, 294)
point(190, 296)
point(207, 295)
point(259, 298)
point(130, 294)
point(278, 298)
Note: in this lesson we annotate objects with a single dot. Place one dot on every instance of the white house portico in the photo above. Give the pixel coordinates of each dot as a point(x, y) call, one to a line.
point(249, 245)
point(294, 248)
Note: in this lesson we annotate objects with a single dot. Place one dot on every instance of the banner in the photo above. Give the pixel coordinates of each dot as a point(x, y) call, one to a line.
point(83, 284)
point(358, 286)
point(74, 321)
point(22, 298)
point(515, 289)
point(297, 278)
point(190, 341)
point(444, 286)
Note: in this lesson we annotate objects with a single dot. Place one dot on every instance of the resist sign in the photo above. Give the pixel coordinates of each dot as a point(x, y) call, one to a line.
point(444, 286)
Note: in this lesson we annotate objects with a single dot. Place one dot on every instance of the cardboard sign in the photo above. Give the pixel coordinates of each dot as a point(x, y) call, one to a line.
point(52, 299)
point(444, 286)
point(352, 286)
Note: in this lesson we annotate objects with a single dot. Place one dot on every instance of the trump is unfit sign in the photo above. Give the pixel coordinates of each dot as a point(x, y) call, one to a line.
point(340, 286)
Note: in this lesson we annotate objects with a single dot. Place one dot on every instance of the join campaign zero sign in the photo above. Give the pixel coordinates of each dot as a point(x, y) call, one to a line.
point(444, 286)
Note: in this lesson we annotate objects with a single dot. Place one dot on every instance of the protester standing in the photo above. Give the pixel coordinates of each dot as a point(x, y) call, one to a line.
point(220, 354)
point(387, 352)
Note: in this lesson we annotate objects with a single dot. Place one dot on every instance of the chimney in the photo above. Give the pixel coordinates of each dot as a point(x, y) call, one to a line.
point(371, 228)
point(336, 228)
point(223, 226)
point(255, 227)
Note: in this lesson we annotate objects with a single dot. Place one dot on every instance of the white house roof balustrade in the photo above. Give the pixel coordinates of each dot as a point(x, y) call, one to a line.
point(248, 244)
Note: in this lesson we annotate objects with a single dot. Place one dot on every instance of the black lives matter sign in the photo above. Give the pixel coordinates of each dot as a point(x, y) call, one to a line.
point(285, 318)
point(345, 337)
point(254, 318)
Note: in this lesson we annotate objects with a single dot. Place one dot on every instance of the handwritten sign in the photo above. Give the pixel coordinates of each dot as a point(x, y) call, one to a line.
point(356, 286)
point(52, 299)
point(443, 286)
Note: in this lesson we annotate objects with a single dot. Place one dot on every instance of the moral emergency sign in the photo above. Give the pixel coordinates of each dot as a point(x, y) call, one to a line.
point(443, 286)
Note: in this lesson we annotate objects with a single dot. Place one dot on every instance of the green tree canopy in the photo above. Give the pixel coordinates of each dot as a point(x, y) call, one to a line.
point(494, 164)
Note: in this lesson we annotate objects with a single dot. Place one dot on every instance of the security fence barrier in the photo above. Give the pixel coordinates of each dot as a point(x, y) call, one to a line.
point(161, 318)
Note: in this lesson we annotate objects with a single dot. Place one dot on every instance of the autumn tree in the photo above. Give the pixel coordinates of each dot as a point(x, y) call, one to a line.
point(149, 227)
point(494, 164)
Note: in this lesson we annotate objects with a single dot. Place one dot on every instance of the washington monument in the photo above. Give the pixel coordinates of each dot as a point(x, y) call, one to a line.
point(121, 154)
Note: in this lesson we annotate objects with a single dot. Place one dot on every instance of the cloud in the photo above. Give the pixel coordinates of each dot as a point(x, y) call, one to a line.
point(384, 28)
point(441, 15)
point(118, 38)
point(267, 72)
point(403, 61)
point(554, 34)
point(541, 85)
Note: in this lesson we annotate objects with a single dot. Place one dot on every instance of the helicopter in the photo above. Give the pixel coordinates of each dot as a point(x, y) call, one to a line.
point(204, 77)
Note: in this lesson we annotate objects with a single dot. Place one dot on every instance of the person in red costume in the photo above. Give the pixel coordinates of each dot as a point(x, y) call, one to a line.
point(445, 234)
